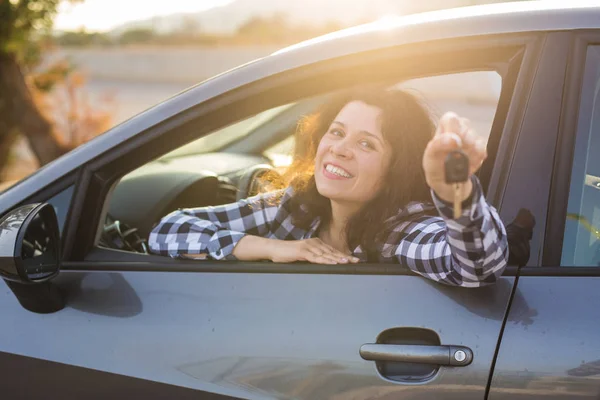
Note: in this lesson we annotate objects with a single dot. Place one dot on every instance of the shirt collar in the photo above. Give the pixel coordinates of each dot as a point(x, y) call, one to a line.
point(414, 207)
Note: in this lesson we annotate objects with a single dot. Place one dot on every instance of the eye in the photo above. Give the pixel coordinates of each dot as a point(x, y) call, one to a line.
point(367, 144)
point(336, 132)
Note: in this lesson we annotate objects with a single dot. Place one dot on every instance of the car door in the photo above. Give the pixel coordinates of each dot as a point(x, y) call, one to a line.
point(550, 345)
point(261, 330)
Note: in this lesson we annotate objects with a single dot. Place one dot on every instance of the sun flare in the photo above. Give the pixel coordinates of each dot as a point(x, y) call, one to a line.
point(103, 15)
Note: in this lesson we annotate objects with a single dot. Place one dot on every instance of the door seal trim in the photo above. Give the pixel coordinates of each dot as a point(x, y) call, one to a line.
point(173, 266)
point(499, 342)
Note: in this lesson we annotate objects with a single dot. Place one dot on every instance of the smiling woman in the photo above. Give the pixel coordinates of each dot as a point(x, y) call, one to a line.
point(366, 185)
point(360, 165)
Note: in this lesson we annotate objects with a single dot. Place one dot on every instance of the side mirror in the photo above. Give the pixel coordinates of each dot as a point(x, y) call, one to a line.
point(29, 244)
point(30, 256)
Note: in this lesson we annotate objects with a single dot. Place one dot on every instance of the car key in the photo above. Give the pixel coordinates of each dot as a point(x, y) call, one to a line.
point(456, 169)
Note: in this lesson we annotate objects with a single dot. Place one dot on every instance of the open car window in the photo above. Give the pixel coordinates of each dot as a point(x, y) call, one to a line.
point(208, 172)
point(473, 94)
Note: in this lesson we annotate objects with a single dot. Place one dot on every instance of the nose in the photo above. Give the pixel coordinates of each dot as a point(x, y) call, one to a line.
point(341, 149)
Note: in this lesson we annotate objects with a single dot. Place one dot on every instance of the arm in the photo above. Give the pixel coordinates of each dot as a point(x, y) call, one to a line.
point(214, 231)
point(470, 251)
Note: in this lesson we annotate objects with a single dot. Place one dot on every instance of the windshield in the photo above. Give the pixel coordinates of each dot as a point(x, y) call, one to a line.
point(216, 140)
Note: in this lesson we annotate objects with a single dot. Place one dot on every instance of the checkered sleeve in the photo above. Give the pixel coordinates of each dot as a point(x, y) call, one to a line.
point(469, 251)
point(215, 230)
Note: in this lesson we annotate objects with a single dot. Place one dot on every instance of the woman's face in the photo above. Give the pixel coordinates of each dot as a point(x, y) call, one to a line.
point(352, 157)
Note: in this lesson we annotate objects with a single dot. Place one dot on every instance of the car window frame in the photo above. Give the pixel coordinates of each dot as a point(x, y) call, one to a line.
point(101, 174)
point(563, 165)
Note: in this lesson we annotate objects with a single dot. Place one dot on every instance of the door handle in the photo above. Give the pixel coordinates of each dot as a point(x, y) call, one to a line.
point(457, 356)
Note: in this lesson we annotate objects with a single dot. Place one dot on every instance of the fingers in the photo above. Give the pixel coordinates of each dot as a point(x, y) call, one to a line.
point(442, 144)
point(474, 148)
point(478, 154)
point(464, 138)
point(344, 258)
point(320, 252)
point(321, 260)
point(324, 257)
point(450, 122)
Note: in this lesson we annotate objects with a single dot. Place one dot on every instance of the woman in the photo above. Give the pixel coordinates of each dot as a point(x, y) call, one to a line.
point(368, 186)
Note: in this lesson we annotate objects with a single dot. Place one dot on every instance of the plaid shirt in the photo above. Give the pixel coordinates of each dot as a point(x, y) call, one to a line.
point(470, 251)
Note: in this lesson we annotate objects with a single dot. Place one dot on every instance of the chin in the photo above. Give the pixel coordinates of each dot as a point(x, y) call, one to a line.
point(331, 190)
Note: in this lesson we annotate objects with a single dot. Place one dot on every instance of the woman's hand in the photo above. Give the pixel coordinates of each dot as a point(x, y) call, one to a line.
point(311, 250)
point(254, 248)
point(452, 133)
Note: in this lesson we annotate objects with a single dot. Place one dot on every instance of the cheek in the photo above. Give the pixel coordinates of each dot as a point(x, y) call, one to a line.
point(375, 167)
point(321, 149)
point(374, 178)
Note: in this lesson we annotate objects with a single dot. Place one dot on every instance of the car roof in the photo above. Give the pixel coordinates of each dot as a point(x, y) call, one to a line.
point(392, 31)
point(487, 19)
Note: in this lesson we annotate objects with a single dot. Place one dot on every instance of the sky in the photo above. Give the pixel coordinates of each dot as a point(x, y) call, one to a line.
point(103, 15)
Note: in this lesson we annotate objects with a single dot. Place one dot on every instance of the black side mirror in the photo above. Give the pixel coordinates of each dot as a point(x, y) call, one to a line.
point(30, 256)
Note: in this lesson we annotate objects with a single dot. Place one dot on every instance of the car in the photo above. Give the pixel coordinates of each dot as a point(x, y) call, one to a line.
point(87, 312)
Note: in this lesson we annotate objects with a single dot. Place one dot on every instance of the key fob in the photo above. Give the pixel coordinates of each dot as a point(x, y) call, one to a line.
point(456, 167)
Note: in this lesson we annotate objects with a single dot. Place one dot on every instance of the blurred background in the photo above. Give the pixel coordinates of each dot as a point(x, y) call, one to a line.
point(71, 69)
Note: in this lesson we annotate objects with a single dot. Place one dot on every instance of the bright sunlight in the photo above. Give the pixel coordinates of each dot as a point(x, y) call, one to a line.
point(103, 15)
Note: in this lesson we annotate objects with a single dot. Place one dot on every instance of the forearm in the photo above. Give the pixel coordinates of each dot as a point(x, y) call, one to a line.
point(470, 251)
point(253, 248)
point(183, 235)
point(213, 232)
point(477, 241)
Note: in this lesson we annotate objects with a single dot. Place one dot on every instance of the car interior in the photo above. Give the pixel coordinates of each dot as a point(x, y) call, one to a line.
point(225, 165)
point(582, 239)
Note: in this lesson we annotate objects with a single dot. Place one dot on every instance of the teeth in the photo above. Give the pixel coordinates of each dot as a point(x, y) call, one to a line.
point(337, 171)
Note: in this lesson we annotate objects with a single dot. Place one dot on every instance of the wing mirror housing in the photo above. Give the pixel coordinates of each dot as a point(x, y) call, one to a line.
point(30, 256)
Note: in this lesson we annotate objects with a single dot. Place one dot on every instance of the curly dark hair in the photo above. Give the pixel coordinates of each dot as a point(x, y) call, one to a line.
point(407, 126)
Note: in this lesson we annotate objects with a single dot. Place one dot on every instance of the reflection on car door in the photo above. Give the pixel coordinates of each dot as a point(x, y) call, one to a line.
point(257, 335)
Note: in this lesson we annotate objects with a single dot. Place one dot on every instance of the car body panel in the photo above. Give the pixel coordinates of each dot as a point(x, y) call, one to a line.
point(68, 382)
point(258, 335)
point(554, 352)
point(550, 346)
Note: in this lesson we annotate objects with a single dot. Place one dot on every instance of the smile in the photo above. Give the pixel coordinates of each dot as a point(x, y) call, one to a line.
point(337, 171)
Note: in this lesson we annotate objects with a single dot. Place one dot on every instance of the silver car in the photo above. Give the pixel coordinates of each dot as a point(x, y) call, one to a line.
point(88, 313)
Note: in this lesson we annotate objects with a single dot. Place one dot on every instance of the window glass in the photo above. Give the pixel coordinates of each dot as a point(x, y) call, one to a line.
point(581, 240)
point(225, 136)
point(61, 203)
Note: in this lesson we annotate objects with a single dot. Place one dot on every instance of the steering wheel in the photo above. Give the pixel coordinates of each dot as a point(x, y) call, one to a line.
point(118, 235)
point(251, 183)
point(592, 253)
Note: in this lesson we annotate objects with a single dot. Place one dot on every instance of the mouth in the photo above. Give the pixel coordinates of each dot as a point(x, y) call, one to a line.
point(336, 172)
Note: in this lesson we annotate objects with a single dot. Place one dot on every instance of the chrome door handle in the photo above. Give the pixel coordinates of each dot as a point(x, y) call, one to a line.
point(457, 356)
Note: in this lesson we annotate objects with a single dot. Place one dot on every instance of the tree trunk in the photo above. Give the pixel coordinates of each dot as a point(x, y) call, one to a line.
point(8, 133)
point(20, 114)
point(8, 136)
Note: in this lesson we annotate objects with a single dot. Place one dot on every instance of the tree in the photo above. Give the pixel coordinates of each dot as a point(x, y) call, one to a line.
point(82, 38)
point(136, 35)
point(24, 25)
